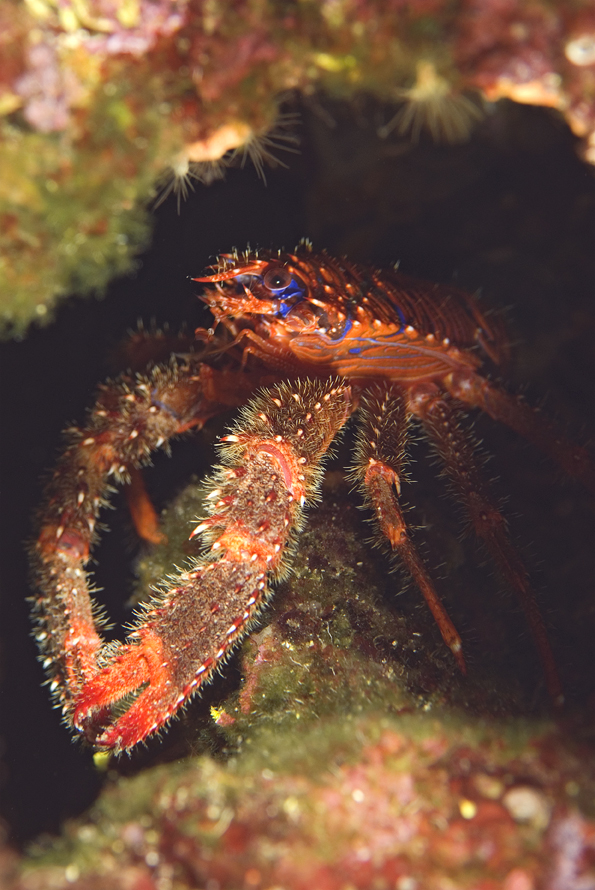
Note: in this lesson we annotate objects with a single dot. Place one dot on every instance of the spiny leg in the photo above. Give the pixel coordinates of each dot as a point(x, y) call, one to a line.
point(147, 346)
point(443, 423)
point(513, 411)
point(271, 466)
point(132, 417)
point(219, 389)
point(378, 467)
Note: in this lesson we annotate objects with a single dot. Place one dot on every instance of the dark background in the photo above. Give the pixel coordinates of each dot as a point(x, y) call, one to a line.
point(511, 212)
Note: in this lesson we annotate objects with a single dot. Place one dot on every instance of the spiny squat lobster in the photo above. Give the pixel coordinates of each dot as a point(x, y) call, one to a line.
point(328, 338)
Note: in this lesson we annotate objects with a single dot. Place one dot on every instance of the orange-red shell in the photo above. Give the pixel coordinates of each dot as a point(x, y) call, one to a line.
point(338, 317)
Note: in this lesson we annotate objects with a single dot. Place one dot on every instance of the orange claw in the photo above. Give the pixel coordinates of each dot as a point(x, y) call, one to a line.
point(135, 666)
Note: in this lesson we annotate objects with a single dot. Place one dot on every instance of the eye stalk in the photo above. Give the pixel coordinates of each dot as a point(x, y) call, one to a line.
point(260, 287)
point(277, 278)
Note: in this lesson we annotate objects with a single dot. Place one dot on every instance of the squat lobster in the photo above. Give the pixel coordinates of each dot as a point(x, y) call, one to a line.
point(328, 338)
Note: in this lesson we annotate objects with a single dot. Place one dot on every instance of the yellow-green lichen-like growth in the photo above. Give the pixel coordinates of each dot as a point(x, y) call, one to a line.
point(100, 102)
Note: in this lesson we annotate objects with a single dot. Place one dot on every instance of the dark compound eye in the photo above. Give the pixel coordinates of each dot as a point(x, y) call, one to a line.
point(277, 278)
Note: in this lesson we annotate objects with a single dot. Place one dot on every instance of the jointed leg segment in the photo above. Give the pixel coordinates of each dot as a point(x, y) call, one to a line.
point(271, 466)
point(514, 412)
point(379, 461)
point(443, 423)
point(131, 418)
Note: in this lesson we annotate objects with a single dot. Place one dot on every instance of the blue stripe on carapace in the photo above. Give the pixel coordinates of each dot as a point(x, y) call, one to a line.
point(346, 329)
